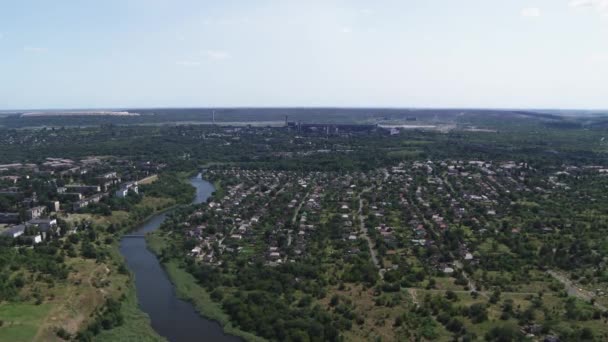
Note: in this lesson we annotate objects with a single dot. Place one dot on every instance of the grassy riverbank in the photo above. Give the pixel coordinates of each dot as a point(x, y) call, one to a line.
point(71, 305)
point(188, 289)
point(136, 325)
point(219, 191)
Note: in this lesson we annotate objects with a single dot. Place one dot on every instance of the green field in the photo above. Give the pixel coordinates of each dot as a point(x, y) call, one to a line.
point(21, 321)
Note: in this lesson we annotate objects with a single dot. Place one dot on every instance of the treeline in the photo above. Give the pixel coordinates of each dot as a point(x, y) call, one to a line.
point(105, 318)
point(19, 266)
point(171, 185)
point(274, 303)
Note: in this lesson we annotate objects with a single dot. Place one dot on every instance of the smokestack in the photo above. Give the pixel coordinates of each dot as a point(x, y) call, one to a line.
point(213, 117)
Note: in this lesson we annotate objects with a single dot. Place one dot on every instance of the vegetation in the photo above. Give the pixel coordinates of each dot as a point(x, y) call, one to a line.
point(357, 235)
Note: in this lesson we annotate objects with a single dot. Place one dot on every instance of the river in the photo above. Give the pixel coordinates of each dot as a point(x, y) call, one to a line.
point(173, 318)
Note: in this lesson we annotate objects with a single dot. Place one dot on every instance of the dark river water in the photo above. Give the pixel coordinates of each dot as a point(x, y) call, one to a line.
point(171, 317)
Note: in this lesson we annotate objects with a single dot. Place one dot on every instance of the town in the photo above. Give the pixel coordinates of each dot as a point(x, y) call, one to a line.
point(341, 232)
point(35, 196)
point(436, 228)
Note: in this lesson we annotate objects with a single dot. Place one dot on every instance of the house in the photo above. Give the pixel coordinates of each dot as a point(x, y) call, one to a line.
point(36, 239)
point(85, 202)
point(125, 188)
point(83, 189)
point(109, 175)
point(36, 212)
point(55, 206)
point(274, 255)
point(9, 218)
point(44, 225)
point(108, 180)
point(14, 231)
point(12, 179)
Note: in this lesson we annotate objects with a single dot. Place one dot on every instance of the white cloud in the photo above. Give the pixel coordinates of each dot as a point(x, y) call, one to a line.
point(531, 12)
point(346, 30)
point(598, 58)
point(199, 58)
point(188, 64)
point(600, 5)
point(34, 49)
point(216, 55)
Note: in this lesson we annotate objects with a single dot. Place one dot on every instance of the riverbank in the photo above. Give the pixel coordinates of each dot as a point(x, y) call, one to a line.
point(113, 280)
point(187, 288)
point(136, 326)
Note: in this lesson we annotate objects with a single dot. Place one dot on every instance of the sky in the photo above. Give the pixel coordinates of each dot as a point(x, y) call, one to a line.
point(304, 53)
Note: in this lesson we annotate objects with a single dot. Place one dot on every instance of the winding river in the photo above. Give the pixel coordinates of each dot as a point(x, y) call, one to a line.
point(173, 318)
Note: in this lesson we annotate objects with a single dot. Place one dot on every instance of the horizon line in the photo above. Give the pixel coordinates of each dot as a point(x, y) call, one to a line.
point(21, 110)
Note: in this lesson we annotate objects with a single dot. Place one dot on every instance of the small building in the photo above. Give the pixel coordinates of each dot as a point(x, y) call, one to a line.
point(125, 188)
point(14, 231)
point(83, 189)
point(36, 212)
point(55, 206)
point(9, 218)
point(44, 225)
point(274, 255)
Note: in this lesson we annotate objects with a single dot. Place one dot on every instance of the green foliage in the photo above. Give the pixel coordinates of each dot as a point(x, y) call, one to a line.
point(170, 185)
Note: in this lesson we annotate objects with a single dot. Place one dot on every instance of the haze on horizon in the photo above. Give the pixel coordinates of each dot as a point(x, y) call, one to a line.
point(315, 53)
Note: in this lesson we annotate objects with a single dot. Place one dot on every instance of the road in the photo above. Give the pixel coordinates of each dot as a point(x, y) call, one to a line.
point(295, 217)
point(370, 244)
point(472, 286)
point(574, 290)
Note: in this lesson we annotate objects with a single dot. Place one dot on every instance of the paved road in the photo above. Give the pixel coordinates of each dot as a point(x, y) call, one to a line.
point(574, 290)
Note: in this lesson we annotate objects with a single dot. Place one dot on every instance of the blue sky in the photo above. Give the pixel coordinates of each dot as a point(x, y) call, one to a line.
point(386, 53)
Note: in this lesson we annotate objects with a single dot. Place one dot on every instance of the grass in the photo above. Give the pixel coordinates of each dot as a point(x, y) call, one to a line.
point(148, 180)
point(65, 304)
point(21, 321)
point(119, 217)
point(377, 319)
point(219, 191)
point(156, 203)
point(73, 302)
point(188, 289)
point(404, 153)
point(137, 324)
point(116, 218)
point(488, 247)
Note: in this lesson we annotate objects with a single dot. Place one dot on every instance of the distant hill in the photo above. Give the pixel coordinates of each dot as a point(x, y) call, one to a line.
point(472, 117)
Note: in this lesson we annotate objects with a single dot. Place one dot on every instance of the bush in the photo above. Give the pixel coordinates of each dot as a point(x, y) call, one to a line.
point(63, 334)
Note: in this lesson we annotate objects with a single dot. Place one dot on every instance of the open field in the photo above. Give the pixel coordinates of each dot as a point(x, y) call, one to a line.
point(148, 180)
point(71, 304)
point(21, 321)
